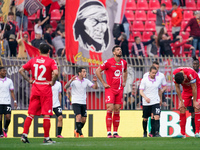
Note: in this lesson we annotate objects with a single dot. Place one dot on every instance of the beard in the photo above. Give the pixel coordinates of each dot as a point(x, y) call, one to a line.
point(119, 55)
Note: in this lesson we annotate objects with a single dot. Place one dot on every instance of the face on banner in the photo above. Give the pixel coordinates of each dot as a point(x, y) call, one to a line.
point(91, 27)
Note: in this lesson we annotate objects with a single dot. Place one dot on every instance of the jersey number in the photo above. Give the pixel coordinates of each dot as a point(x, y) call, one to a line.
point(40, 77)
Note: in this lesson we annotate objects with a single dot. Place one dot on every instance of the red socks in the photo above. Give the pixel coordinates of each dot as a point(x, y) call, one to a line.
point(116, 120)
point(182, 123)
point(197, 122)
point(46, 126)
point(27, 124)
point(109, 120)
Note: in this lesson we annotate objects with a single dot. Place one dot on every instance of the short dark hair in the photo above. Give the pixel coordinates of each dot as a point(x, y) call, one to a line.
point(11, 14)
point(174, 3)
point(79, 70)
point(53, 35)
point(179, 78)
point(195, 59)
point(163, 4)
point(156, 62)
point(136, 37)
point(1, 67)
point(37, 20)
point(44, 48)
point(62, 18)
point(152, 68)
point(116, 46)
point(48, 26)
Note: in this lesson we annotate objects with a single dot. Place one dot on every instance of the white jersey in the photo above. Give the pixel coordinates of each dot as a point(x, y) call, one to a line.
point(79, 90)
point(159, 76)
point(150, 89)
point(56, 89)
point(6, 85)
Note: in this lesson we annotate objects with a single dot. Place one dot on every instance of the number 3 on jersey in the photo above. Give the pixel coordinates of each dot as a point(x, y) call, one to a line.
point(40, 76)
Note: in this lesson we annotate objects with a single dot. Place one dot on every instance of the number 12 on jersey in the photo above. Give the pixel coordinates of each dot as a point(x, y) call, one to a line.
point(40, 76)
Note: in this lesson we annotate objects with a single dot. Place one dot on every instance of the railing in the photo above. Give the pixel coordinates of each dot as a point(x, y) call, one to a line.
point(95, 98)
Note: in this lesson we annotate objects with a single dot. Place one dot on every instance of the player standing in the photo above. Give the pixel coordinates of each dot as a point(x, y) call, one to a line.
point(79, 86)
point(116, 75)
point(150, 92)
point(190, 82)
point(41, 92)
point(159, 76)
point(6, 89)
point(57, 97)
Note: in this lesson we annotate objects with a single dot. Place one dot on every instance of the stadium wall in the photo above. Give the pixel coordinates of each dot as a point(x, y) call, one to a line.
point(130, 124)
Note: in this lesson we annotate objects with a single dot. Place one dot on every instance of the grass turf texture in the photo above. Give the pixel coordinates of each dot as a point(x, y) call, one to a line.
point(103, 144)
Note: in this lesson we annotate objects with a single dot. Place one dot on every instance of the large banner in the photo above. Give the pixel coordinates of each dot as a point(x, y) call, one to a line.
point(4, 9)
point(88, 29)
point(130, 124)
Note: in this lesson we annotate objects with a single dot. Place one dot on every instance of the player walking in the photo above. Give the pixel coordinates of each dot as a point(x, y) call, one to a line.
point(116, 74)
point(57, 97)
point(150, 92)
point(190, 82)
point(159, 76)
point(79, 86)
point(6, 89)
point(41, 92)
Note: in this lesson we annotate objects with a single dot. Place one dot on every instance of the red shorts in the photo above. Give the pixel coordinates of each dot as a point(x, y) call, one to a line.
point(40, 105)
point(187, 97)
point(113, 96)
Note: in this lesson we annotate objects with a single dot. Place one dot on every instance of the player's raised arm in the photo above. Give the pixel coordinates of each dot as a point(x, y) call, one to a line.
point(98, 73)
point(69, 82)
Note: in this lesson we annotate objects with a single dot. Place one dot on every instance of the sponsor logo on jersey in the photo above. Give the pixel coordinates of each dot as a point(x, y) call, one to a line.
point(118, 64)
point(117, 73)
point(40, 61)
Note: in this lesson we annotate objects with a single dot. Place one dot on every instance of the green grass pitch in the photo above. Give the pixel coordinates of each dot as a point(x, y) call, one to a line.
point(103, 144)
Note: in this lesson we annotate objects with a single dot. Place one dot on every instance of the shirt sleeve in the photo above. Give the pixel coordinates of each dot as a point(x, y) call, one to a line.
point(11, 85)
point(27, 66)
point(164, 82)
point(105, 65)
point(142, 85)
point(89, 83)
point(54, 65)
point(192, 77)
point(60, 87)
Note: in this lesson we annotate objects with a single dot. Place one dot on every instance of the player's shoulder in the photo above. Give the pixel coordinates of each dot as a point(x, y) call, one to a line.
point(161, 74)
point(8, 79)
point(146, 74)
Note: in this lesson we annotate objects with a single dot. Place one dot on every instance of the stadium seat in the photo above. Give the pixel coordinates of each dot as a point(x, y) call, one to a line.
point(54, 25)
point(38, 14)
point(142, 5)
point(198, 5)
point(134, 34)
point(187, 15)
point(137, 26)
point(130, 5)
point(147, 36)
point(183, 24)
point(140, 15)
point(185, 36)
point(168, 4)
point(151, 16)
point(32, 35)
point(129, 15)
point(55, 14)
point(154, 4)
point(150, 26)
point(190, 5)
point(32, 17)
point(30, 26)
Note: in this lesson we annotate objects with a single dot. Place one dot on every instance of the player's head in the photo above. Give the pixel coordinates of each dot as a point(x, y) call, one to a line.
point(179, 78)
point(195, 64)
point(44, 48)
point(152, 72)
point(81, 71)
point(117, 51)
point(2, 72)
point(156, 64)
point(162, 7)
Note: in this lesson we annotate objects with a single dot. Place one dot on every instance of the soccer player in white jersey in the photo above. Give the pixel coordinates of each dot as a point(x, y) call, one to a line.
point(149, 90)
point(159, 76)
point(6, 89)
point(57, 97)
point(78, 86)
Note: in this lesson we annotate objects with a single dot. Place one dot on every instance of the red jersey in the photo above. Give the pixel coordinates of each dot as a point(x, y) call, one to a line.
point(114, 72)
point(41, 68)
point(192, 77)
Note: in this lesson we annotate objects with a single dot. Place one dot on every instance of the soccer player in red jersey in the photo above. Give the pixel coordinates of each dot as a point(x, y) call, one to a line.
point(41, 92)
point(190, 82)
point(116, 74)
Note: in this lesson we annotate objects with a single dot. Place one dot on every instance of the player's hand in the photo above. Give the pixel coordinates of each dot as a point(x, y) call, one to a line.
point(160, 103)
point(183, 33)
point(106, 86)
point(15, 105)
point(73, 78)
point(147, 100)
point(95, 79)
point(196, 105)
point(31, 81)
point(191, 47)
point(181, 104)
point(124, 84)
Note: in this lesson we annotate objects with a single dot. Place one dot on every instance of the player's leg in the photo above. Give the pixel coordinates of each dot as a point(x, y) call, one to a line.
point(83, 117)
point(77, 113)
point(191, 110)
point(146, 114)
point(152, 132)
point(156, 112)
point(6, 124)
point(116, 120)
point(197, 115)
point(1, 132)
point(58, 112)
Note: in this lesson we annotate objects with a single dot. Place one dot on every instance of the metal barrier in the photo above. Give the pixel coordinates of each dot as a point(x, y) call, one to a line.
point(95, 98)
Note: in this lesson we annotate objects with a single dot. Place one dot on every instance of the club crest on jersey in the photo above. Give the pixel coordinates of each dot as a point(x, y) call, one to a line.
point(117, 73)
point(40, 61)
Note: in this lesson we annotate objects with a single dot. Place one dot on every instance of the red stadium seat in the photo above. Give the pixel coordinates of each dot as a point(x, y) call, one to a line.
point(134, 34)
point(55, 14)
point(142, 5)
point(183, 24)
point(30, 26)
point(147, 36)
point(38, 14)
point(32, 35)
point(130, 5)
point(151, 16)
point(140, 15)
point(150, 26)
point(154, 4)
point(137, 26)
point(187, 15)
point(198, 4)
point(168, 4)
point(129, 15)
point(190, 5)
point(32, 17)
point(185, 36)
point(54, 25)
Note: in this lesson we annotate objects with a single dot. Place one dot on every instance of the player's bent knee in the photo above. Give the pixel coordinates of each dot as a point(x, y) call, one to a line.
point(182, 110)
point(60, 118)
